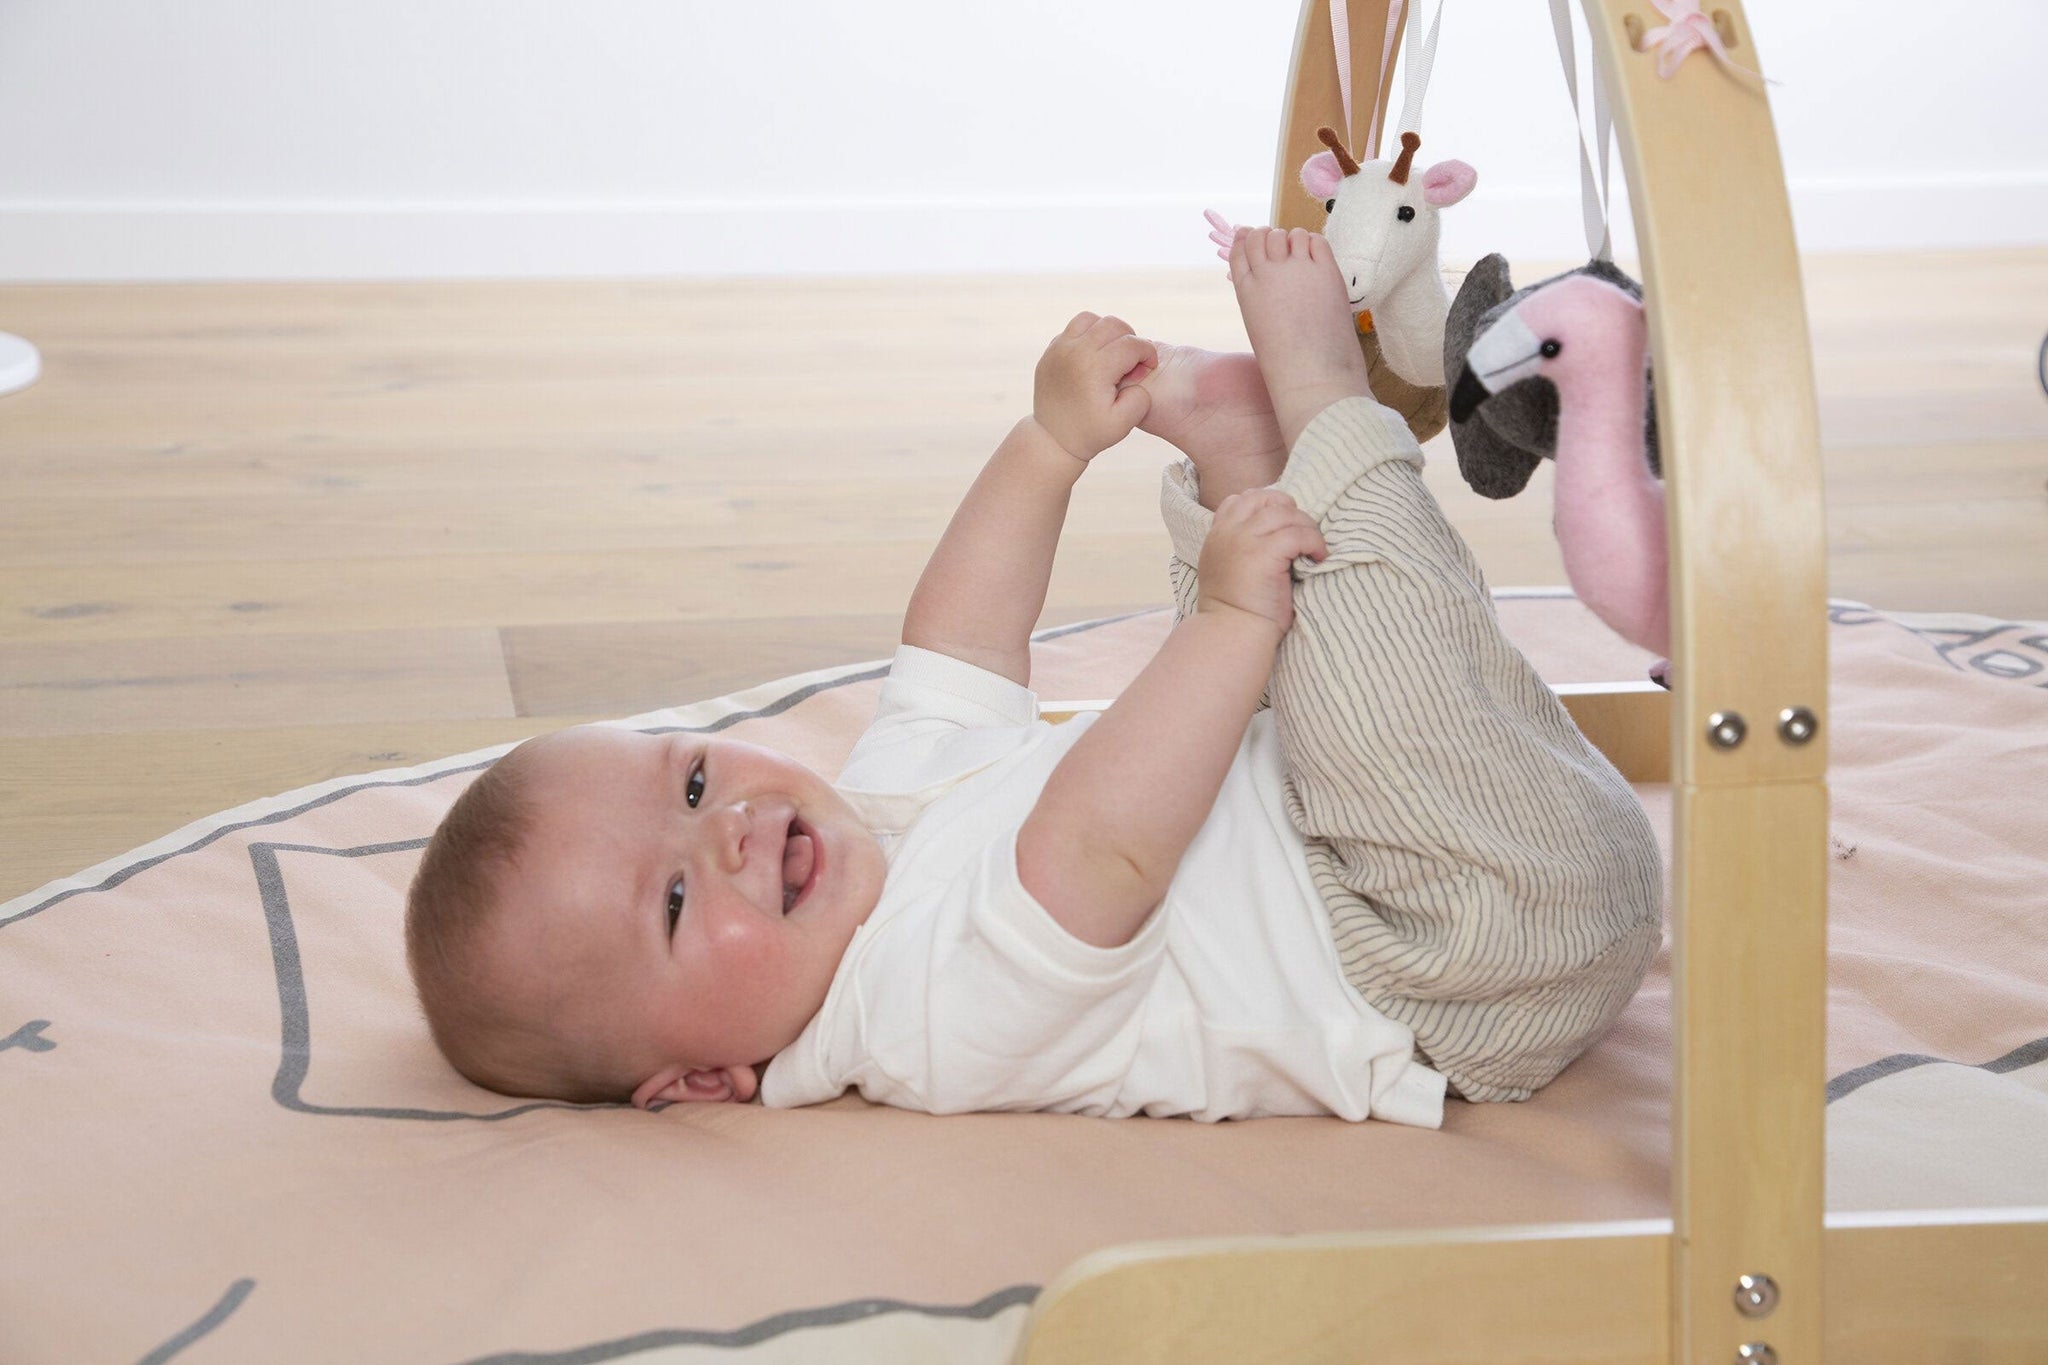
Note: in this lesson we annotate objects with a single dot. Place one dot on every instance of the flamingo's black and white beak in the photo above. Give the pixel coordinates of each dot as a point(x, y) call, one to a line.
point(1466, 395)
point(1502, 356)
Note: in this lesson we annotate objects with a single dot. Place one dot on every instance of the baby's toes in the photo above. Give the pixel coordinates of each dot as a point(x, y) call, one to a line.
point(1246, 252)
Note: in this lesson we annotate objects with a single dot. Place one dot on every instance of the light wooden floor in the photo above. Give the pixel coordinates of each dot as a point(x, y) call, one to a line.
point(254, 536)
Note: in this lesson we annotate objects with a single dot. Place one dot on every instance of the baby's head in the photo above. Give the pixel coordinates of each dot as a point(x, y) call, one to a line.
point(608, 914)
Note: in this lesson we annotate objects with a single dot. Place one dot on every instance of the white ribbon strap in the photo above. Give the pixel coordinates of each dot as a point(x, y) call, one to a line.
point(1370, 148)
point(1592, 192)
point(1340, 44)
point(1417, 61)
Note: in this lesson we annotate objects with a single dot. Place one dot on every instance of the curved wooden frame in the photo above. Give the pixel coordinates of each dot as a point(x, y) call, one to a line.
point(1315, 100)
point(1749, 878)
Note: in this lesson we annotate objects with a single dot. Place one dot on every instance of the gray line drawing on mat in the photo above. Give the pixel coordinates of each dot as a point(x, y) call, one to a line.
point(29, 1038)
point(213, 1318)
point(756, 1332)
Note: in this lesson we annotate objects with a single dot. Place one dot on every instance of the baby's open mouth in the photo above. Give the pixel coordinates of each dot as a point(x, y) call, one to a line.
point(799, 865)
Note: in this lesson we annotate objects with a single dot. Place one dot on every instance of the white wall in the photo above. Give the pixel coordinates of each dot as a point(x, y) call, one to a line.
point(290, 138)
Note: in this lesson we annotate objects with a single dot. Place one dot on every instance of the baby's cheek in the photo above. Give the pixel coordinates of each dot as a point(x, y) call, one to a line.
point(755, 962)
point(760, 955)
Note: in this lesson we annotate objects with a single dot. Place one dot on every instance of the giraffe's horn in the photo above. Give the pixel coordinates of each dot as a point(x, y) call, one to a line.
point(1336, 144)
point(1409, 142)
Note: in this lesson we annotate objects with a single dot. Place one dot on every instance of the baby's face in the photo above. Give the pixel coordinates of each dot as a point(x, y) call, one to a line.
point(680, 899)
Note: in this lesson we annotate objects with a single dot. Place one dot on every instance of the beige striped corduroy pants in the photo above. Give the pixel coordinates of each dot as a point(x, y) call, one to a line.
point(1491, 880)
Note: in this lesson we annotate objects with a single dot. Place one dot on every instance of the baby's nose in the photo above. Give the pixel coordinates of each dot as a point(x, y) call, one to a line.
point(735, 824)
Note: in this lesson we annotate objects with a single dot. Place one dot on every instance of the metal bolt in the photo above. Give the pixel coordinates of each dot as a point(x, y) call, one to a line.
point(1755, 1353)
point(1796, 724)
point(1755, 1295)
point(1725, 729)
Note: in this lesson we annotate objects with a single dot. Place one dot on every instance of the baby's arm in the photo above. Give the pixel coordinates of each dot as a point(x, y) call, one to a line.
point(1108, 832)
point(984, 586)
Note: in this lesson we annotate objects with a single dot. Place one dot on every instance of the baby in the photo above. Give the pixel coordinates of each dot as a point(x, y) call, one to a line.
point(1410, 874)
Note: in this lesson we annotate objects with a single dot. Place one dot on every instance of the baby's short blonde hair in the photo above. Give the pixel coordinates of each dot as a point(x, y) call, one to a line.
point(454, 899)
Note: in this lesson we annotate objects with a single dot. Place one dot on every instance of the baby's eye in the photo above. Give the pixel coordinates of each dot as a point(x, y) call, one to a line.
point(675, 905)
point(693, 791)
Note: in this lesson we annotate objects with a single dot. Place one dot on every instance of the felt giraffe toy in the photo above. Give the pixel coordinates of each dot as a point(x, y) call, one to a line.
point(1383, 228)
point(1384, 231)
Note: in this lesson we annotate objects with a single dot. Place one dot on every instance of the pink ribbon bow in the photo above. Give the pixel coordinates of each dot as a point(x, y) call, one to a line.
point(1687, 33)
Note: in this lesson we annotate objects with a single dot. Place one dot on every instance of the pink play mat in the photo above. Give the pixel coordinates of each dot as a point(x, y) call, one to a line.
point(228, 1137)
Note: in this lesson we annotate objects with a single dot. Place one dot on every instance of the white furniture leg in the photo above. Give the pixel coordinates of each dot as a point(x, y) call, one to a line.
point(20, 364)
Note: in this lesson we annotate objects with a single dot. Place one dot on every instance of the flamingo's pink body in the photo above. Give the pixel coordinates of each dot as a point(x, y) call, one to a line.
point(1589, 338)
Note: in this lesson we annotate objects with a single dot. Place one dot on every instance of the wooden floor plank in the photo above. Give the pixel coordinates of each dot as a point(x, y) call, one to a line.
point(227, 682)
point(345, 521)
point(247, 600)
point(622, 669)
point(68, 802)
point(627, 668)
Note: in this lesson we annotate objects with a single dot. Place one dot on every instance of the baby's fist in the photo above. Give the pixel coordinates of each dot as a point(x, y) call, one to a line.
point(1248, 559)
point(1080, 394)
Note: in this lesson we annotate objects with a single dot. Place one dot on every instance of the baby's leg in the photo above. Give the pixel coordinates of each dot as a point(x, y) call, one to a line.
point(1295, 310)
point(1490, 880)
point(1217, 410)
point(1212, 407)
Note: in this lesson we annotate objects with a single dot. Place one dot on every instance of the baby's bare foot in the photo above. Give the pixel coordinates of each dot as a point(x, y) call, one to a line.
point(1213, 408)
point(1299, 319)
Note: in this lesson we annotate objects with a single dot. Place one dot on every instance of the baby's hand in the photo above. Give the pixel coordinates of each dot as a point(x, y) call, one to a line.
point(1086, 392)
point(1251, 549)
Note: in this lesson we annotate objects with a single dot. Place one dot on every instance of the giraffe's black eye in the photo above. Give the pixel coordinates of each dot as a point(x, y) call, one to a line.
point(1329, 206)
point(1405, 214)
point(1550, 348)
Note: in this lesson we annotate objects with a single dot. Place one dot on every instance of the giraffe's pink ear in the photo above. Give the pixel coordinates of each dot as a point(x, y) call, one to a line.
point(1320, 175)
point(1445, 183)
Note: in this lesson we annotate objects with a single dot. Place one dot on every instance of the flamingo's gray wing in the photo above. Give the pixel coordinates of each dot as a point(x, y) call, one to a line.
point(1501, 443)
point(1492, 465)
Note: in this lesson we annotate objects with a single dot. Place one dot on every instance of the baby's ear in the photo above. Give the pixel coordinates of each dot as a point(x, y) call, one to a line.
point(675, 1084)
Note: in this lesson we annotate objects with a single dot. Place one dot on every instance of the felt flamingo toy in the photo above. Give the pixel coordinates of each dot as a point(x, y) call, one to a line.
point(1586, 336)
point(1500, 443)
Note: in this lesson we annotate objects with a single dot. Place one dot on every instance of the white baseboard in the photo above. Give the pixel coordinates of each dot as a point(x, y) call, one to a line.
point(223, 241)
point(1958, 213)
